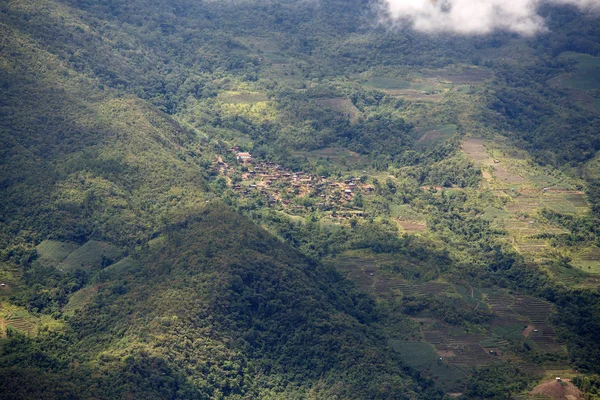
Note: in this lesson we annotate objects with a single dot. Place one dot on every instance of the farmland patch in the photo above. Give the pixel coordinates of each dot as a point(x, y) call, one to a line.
point(563, 390)
point(587, 72)
point(434, 135)
point(383, 82)
point(460, 76)
point(91, 254)
point(242, 97)
point(424, 357)
point(53, 251)
point(79, 299)
point(341, 105)
point(412, 227)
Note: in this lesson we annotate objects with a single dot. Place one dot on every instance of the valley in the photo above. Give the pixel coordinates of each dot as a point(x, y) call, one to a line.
point(296, 200)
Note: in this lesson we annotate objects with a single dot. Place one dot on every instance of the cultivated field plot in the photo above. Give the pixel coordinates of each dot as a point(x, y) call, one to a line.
point(526, 190)
point(432, 136)
point(462, 76)
point(530, 313)
point(587, 73)
point(371, 275)
point(476, 151)
point(537, 312)
point(419, 89)
point(79, 299)
point(416, 94)
point(423, 356)
point(392, 286)
point(242, 97)
point(53, 252)
point(91, 254)
point(412, 227)
point(556, 390)
point(457, 348)
point(589, 261)
point(69, 256)
point(341, 105)
point(360, 270)
point(387, 83)
point(18, 319)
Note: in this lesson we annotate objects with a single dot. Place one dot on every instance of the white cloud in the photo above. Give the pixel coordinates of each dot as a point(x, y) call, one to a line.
point(476, 16)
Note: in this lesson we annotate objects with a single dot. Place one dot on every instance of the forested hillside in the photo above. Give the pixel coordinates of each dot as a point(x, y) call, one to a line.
point(417, 219)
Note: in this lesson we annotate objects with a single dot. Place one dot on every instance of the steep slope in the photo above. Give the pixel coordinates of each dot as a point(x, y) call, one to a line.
point(78, 161)
point(217, 307)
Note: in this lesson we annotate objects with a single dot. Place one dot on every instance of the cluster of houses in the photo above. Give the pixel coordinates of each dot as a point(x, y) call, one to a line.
point(296, 191)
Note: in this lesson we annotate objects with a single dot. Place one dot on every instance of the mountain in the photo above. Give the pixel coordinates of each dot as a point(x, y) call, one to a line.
point(218, 307)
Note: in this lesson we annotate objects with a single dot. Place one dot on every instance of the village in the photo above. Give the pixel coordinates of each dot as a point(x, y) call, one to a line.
point(294, 192)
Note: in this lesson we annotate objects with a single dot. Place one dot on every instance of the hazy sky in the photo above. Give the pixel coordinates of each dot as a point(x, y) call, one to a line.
point(477, 16)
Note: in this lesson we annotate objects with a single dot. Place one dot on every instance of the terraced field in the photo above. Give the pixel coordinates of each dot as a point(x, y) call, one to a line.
point(448, 352)
point(526, 190)
point(461, 349)
point(531, 313)
point(21, 323)
point(423, 356)
point(412, 227)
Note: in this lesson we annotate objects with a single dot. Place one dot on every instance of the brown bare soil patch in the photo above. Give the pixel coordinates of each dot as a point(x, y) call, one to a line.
point(430, 136)
point(504, 175)
point(527, 331)
point(475, 150)
point(412, 227)
point(563, 390)
point(2, 328)
point(445, 353)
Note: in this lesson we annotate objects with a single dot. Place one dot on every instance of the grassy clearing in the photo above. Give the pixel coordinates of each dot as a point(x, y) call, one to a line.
point(587, 73)
point(91, 254)
point(460, 76)
point(384, 82)
point(491, 213)
point(434, 135)
point(120, 266)
point(341, 105)
point(54, 251)
point(588, 261)
point(79, 299)
point(234, 97)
